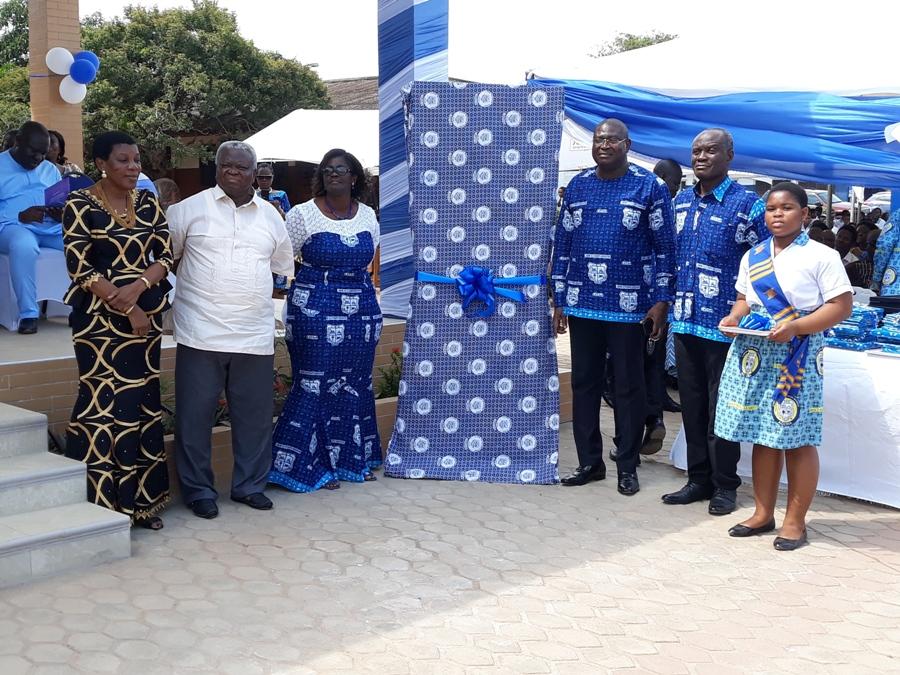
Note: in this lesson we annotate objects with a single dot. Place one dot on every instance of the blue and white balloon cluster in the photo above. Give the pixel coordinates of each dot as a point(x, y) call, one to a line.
point(79, 70)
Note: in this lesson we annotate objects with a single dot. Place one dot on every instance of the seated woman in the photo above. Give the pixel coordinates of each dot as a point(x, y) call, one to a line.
point(327, 431)
point(264, 176)
point(118, 256)
point(771, 388)
point(57, 154)
point(844, 242)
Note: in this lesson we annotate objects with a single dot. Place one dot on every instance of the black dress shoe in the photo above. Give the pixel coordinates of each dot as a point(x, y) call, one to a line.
point(670, 404)
point(654, 436)
point(28, 326)
point(740, 530)
point(782, 544)
point(584, 475)
point(722, 502)
point(204, 508)
point(690, 493)
point(255, 501)
point(628, 484)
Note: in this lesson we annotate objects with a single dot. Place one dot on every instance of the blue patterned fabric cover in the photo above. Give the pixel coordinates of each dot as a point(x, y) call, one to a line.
point(479, 396)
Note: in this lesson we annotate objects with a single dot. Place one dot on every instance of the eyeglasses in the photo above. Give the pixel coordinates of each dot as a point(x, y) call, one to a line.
point(607, 141)
point(335, 171)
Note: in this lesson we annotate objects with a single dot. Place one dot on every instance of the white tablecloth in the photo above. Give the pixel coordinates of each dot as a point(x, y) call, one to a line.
point(860, 452)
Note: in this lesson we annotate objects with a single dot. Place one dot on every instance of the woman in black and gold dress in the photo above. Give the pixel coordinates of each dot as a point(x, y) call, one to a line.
point(118, 255)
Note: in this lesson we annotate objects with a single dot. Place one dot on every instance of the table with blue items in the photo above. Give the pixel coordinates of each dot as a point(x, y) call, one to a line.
point(860, 451)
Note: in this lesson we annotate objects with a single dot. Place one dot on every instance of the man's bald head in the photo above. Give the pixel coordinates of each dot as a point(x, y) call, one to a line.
point(612, 125)
point(610, 148)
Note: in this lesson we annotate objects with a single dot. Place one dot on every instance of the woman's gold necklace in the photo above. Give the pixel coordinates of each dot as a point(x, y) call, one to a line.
point(126, 218)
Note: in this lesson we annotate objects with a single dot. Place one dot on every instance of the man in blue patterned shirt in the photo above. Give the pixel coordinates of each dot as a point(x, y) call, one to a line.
point(717, 221)
point(612, 273)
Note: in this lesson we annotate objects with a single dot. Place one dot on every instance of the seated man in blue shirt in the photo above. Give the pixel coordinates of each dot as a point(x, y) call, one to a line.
point(26, 225)
point(612, 269)
point(716, 222)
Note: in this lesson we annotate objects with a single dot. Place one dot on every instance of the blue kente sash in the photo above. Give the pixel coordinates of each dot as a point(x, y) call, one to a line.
point(766, 286)
point(479, 283)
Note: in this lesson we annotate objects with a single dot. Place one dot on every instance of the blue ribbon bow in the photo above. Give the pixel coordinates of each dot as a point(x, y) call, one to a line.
point(479, 283)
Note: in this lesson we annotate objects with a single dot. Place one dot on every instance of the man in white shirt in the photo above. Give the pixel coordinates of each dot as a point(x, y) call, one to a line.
point(227, 244)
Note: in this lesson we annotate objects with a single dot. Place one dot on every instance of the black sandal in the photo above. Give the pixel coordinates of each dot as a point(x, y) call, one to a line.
point(370, 477)
point(149, 523)
point(332, 485)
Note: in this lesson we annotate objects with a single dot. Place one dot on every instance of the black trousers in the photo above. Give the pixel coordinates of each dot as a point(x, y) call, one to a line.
point(200, 377)
point(654, 380)
point(711, 460)
point(591, 340)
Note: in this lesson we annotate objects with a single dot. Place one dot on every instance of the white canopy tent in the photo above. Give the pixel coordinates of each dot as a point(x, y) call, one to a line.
point(719, 64)
point(306, 135)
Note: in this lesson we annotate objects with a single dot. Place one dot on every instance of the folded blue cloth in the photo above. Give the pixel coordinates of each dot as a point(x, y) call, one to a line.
point(852, 345)
point(890, 334)
point(754, 321)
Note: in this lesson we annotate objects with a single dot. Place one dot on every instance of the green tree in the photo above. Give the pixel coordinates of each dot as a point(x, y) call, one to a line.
point(14, 109)
point(624, 42)
point(179, 80)
point(14, 32)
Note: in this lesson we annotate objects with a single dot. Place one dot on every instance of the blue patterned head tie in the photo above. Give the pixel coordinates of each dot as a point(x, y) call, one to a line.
point(479, 284)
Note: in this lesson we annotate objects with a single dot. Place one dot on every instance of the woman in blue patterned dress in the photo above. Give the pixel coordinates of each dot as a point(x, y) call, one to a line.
point(327, 431)
point(771, 388)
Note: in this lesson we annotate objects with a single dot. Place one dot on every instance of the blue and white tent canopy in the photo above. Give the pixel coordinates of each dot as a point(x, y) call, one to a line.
point(822, 124)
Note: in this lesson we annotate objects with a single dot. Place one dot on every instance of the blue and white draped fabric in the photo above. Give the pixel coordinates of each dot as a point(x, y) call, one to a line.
point(776, 133)
point(766, 286)
point(479, 396)
point(412, 45)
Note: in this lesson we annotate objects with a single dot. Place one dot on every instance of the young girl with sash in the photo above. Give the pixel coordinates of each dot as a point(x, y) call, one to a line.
point(770, 393)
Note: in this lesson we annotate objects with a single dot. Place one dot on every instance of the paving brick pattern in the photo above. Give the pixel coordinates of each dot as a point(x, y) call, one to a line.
point(444, 578)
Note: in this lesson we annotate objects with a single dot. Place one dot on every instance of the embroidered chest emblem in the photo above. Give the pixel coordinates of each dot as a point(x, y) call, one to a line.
point(335, 334)
point(630, 218)
point(597, 272)
point(628, 301)
point(679, 220)
point(709, 285)
point(350, 240)
point(572, 296)
point(349, 304)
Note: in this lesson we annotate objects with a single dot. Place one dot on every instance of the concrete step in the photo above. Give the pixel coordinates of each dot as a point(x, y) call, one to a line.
point(50, 541)
point(21, 431)
point(40, 481)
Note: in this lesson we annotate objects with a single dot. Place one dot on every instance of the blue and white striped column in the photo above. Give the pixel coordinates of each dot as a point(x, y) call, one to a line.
point(412, 45)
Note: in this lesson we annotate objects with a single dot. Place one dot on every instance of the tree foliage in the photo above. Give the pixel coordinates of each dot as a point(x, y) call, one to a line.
point(174, 77)
point(178, 80)
point(14, 109)
point(14, 32)
point(625, 42)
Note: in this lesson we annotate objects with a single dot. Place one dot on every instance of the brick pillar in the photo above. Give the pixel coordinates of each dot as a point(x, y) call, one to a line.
point(54, 23)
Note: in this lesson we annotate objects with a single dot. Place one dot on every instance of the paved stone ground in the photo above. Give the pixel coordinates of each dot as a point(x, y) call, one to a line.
point(444, 578)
